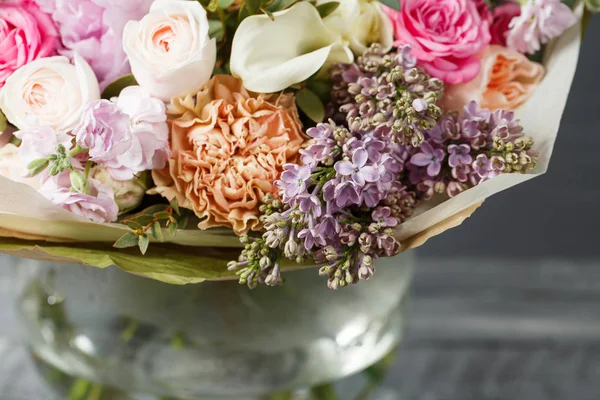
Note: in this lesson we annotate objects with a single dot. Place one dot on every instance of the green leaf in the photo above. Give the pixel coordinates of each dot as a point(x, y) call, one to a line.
point(3, 122)
point(223, 4)
point(115, 88)
point(144, 242)
point(182, 221)
point(154, 209)
point(327, 9)
point(243, 13)
point(215, 29)
point(593, 5)
point(37, 166)
point(395, 4)
point(253, 6)
point(178, 265)
point(173, 229)
point(175, 206)
point(310, 104)
point(133, 224)
point(162, 215)
point(278, 5)
point(157, 232)
point(129, 239)
point(321, 88)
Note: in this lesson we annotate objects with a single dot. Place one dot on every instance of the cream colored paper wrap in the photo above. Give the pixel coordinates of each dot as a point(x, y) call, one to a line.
point(25, 214)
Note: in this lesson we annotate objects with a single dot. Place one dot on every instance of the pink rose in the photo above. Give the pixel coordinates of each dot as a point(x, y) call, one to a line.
point(26, 34)
point(445, 36)
point(507, 80)
point(502, 16)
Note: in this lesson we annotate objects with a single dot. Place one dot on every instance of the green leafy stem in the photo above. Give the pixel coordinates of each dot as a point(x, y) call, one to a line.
point(149, 224)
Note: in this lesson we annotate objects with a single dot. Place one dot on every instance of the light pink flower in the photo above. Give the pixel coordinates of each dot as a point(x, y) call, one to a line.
point(127, 135)
point(26, 34)
point(98, 206)
point(539, 22)
point(445, 36)
point(104, 130)
point(93, 29)
point(39, 142)
point(503, 15)
point(150, 133)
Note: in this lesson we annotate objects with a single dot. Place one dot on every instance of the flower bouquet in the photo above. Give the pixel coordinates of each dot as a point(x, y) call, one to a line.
point(221, 140)
point(148, 135)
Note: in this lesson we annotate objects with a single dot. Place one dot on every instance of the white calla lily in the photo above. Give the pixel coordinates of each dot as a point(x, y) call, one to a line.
point(272, 55)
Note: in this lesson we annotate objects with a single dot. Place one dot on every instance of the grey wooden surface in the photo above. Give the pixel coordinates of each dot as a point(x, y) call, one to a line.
point(480, 330)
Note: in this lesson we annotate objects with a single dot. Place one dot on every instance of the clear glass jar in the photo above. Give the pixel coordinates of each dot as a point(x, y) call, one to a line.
point(215, 340)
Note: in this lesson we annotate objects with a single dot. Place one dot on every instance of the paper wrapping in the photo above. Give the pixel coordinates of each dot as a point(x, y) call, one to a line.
point(28, 216)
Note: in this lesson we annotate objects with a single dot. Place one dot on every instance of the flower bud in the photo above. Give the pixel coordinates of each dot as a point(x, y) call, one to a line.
point(78, 182)
point(128, 194)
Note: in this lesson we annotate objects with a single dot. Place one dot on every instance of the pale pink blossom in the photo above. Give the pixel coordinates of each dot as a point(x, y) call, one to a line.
point(98, 205)
point(93, 29)
point(539, 22)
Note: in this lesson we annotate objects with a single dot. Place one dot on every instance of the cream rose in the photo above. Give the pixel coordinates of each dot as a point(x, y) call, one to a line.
point(169, 50)
point(360, 23)
point(49, 91)
point(270, 56)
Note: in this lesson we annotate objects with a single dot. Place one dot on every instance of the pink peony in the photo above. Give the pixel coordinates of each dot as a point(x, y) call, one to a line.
point(26, 34)
point(539, 22)
point(503, 15)
point(94, 28)
point(445, 36)
point(98, 206)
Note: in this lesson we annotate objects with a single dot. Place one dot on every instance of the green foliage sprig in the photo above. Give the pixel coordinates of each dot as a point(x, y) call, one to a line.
point(148, 224)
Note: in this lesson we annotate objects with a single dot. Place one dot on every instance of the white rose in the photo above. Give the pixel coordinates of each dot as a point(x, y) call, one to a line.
point(360, 23)
point(49, 91)
point(169, 49)
point(270, 56)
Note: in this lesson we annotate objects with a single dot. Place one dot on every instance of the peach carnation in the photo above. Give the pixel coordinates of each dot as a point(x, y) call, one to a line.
point(228, 147)
point(506, 81)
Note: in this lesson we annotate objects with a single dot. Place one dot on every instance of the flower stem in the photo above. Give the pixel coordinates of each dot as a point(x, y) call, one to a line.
point(88, 167)
point(77, 150)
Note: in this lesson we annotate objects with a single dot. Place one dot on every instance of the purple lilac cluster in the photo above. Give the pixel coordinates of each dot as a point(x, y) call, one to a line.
point(463, 151)
point(362, 177)
point(387, 93)
point(338, 208)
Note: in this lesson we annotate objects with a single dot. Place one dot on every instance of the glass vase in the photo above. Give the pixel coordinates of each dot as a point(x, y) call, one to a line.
point(215, 340)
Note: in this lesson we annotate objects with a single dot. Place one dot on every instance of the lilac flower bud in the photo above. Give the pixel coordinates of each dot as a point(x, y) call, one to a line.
point(265, 262)
point(330, 253)
point(290, 249)
point(365, 241)
point(439, 187)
